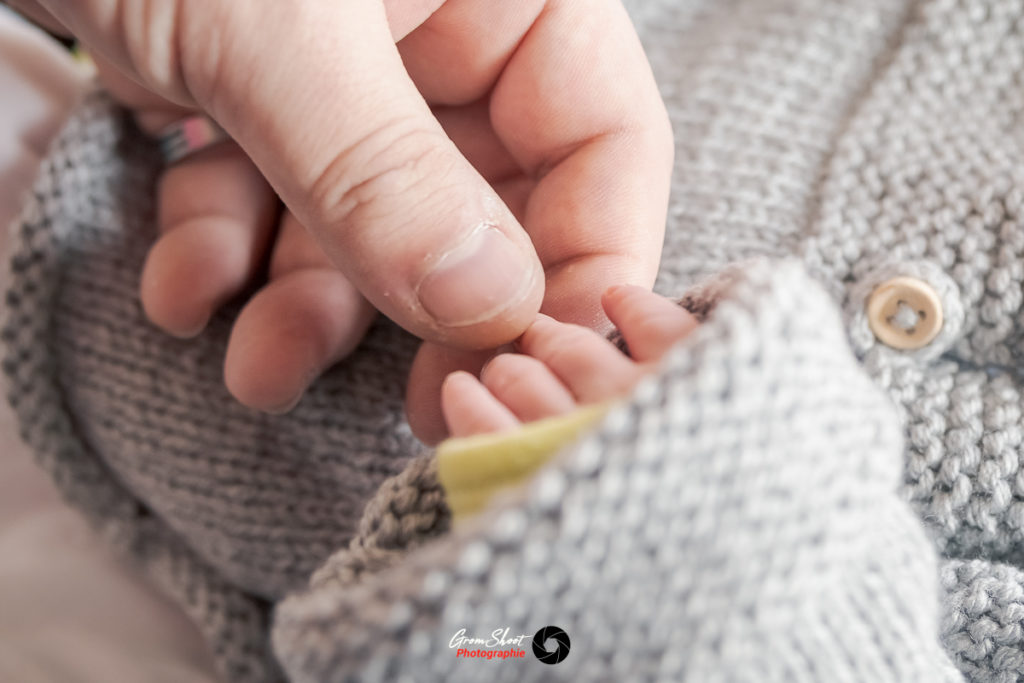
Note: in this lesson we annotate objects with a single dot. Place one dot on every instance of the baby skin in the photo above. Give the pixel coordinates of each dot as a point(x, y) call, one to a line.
point(560, 367)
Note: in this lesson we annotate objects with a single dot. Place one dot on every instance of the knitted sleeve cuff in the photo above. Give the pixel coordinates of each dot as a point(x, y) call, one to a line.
point(473, 469)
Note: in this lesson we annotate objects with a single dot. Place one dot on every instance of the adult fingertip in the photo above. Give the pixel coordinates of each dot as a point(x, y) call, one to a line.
point(477, 280)
point(483, 293)
point(180, 312)
point(430, 368)
point(423, 412)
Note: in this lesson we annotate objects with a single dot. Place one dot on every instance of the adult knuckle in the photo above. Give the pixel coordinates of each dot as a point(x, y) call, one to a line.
point(169, 46)
point(371, 179)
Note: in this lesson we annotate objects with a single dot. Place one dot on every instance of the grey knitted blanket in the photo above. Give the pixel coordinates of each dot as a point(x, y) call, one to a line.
point(787, 499)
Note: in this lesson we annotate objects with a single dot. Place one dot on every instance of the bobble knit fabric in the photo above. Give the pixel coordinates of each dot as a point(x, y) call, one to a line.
point(737, 520)
point(788, 499)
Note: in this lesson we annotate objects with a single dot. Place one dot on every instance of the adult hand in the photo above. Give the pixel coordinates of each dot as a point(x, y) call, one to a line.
point(447, 158)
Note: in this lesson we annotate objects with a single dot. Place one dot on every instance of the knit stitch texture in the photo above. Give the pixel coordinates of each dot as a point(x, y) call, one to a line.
point(737, 520)
point(867, 139)
point(227, 508)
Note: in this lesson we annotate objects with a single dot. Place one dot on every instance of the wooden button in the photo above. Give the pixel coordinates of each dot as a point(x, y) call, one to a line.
point(905, 313)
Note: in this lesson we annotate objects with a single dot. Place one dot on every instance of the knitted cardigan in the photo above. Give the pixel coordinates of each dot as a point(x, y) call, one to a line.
point(786, 499)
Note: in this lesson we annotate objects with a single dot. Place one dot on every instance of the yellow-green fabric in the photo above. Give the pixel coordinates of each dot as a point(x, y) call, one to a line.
point(473, 468)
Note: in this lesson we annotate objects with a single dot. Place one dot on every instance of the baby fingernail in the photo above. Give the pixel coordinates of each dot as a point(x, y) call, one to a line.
point(476, 280)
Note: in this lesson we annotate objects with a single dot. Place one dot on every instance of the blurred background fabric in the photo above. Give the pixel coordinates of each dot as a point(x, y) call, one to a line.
point(69, 610)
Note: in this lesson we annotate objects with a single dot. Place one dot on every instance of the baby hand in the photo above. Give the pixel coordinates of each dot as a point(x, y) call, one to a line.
point(456, 165)
point(562, 366)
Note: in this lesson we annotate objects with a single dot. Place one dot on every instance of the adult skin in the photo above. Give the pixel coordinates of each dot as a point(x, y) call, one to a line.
point(454, 164)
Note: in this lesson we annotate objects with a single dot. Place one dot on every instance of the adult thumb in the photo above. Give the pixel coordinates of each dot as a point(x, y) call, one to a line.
point(316, 93)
